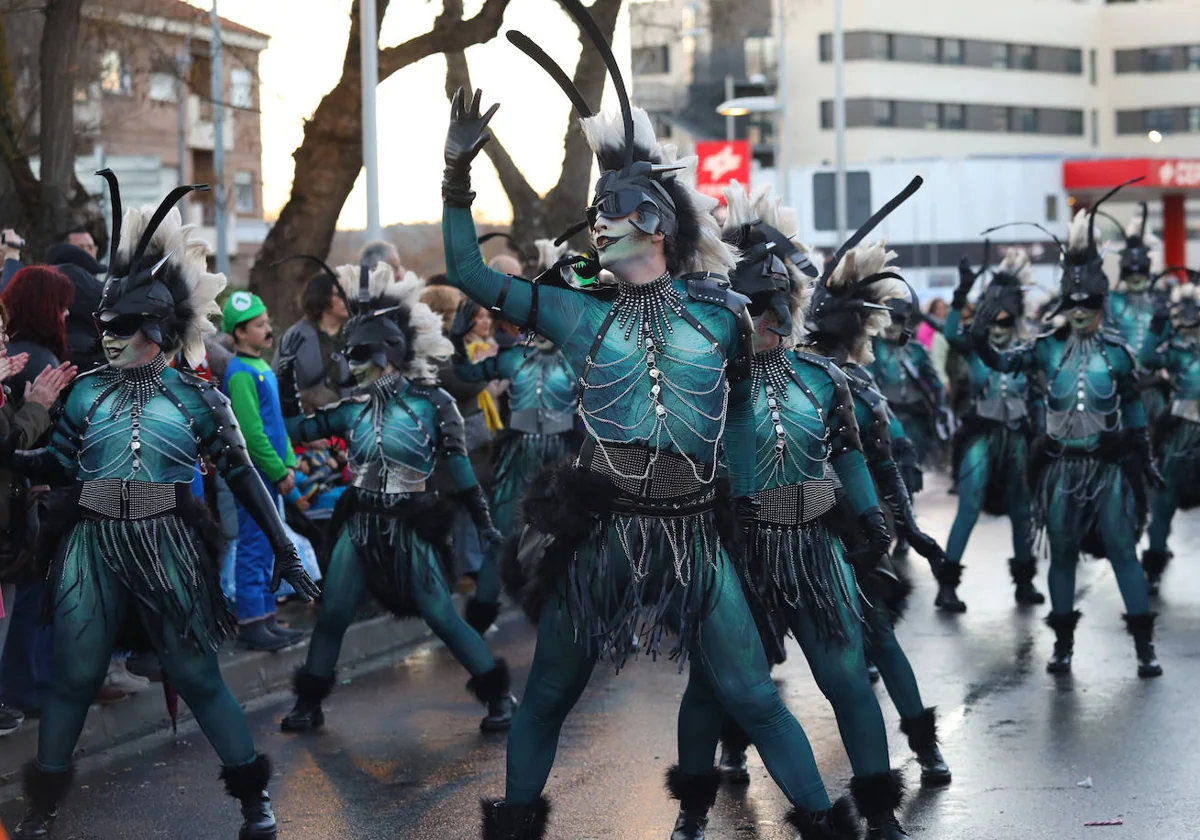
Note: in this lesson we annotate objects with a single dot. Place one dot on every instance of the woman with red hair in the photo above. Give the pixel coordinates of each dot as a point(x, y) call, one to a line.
point(37, 300)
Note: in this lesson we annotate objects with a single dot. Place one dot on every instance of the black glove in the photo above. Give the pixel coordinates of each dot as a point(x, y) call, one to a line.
point(41, 466)
point(1139, 439)
point(249, 490)
point(871, 559)
point(905, 456)
point(466, 137)
point(966, 281)
point(894, 493)
point(289, 394)
point(476, 503)
point(985, 313)
point(745, 520)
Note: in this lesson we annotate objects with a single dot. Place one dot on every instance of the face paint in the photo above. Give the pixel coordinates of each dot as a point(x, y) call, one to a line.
point(133, 351)
point(1000, 334)
point(1137, 282)
point(1083, 320)
point(618, 242)
point(364, 373)
point(764, 338)
point(893, 332)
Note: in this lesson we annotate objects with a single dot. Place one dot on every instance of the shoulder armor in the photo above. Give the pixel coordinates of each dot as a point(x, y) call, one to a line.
point(843, 429)
point(827, 364)
point(715, 289)
point(451, 428)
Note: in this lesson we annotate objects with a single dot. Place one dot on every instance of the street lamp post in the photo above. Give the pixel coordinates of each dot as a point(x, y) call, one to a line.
point(839, 122)
point(370, 138)
point(782, 162)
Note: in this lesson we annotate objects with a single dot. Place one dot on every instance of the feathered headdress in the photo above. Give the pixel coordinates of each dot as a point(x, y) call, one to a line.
point(158, 276)
point(775, 272)
point(1007, 286)
point(548, 253)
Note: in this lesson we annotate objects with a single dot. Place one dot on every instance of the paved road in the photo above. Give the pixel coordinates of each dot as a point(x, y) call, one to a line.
point(402, 757)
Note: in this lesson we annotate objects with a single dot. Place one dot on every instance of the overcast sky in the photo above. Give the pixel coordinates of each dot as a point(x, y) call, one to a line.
point(304, 60)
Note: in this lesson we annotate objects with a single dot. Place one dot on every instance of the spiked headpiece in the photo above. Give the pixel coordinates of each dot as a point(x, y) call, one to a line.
point(774, 271)
point(1007, 286)
point(158, 280)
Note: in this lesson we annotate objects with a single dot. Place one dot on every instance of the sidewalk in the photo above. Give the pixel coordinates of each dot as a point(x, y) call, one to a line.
point(249, 674)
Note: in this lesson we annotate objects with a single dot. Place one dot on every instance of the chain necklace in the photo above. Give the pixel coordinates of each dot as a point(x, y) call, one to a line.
point(644, 308)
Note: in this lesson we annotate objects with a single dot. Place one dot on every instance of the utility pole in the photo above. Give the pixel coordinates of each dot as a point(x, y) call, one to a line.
point(782, 162)
point(183, 66)
point(839, 123)
point(218, 103)
point(370, 140)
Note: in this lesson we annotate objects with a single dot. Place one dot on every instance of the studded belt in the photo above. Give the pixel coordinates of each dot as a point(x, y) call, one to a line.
point(113, 498)
point(650, 481)
point(541, 421)
point(796, 504)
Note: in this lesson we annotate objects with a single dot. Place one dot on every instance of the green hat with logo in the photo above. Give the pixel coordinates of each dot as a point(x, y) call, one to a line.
point(240, 308)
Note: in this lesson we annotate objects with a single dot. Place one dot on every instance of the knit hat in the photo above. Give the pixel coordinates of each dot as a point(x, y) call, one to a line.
point(240, 308)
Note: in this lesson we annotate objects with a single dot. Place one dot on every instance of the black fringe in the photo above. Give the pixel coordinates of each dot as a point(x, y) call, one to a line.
point(1004, 465)
point(1079, 482)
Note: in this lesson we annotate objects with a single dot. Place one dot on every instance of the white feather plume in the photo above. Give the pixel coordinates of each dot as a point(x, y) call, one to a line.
point(860, 262)
point(1016, 263)
point(548, 253)
point(189, 256)
point(1182, 292)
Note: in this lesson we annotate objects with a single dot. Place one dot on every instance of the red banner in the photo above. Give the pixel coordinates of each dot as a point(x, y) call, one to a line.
point(722, 162)
point(1159, 173)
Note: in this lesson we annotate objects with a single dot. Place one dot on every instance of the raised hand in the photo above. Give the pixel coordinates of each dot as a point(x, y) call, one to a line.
point(49, 384)
point(465, 138)
point(10, 366)
point(966, 281)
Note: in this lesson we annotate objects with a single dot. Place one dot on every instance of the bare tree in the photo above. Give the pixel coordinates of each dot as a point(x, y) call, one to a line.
point(536, 216)
point(330, 157)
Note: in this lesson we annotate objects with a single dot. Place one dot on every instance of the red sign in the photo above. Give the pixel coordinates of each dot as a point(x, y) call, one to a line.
point(1159, 173)
point(721, 163)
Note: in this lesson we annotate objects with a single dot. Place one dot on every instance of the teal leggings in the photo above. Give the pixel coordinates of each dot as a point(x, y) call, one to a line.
point(343, 589)
point(974, 472)
point(91, 606)
point(729, 655)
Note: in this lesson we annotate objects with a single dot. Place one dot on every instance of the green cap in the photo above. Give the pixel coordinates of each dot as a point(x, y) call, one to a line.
point(240, 308)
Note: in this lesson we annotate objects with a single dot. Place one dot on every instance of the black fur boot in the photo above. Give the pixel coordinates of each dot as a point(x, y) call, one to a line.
point(44, 789)
point(502, 821)
point(921, 732)
point(1141, 627)
point(492, 689)
point(877, 798)
point(1022, 575)
point(838, 823)
point(307, 713)
point(1155, 563)
point(480, 614)
point(1063, 626)
point(696, 793)
point(948, 579)
point(247, 783)
point(734, 742)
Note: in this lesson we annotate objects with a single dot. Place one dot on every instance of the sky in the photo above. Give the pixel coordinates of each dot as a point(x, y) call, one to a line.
point(304, 61)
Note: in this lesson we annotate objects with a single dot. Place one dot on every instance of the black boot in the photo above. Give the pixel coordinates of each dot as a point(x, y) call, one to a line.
point(872, 672)
point(480, 614)
point(1022, 575)
point(1063, 626)
point(44, 789)
point(838, 823)
point(502, 821)
point(878, 797)
point(1154, 563)
point(1141, 627)
point(948, 579)
point(247, 783)
point(734, 742)
point(921, 732)
point(307, 713)
point(696, 793)
point(492, 689)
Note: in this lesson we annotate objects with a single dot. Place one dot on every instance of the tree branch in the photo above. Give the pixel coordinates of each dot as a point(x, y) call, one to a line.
point(450, 33)
point(17, 163)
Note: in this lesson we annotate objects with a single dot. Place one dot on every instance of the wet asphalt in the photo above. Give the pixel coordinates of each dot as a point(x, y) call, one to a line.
point(1033, 756)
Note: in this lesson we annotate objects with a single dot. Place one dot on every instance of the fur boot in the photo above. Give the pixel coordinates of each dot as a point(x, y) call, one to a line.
point(696, 794)
point(1141, 627)
point(492, 689)
point(921, 732)
point(247, 783)
point(44, 790)
point(877, 798)
point(502, 821)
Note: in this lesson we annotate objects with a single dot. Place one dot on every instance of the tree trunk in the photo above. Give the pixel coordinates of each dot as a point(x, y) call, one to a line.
point(330, 157)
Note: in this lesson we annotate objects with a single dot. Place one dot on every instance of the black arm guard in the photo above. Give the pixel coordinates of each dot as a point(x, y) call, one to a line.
point(252, 494)
point(476, 503)
point(40, 466)
point(843, 428)
point(905, 456)
point(289, 393)
point(895, 494)
point(450, 421)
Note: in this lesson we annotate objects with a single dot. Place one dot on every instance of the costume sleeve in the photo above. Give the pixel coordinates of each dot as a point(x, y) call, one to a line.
point(452, 442)
point(325, 423)
point(559, 310)
point(954, 333)
point(740, 451)
point(931, 376)
point(243, 397)
point(1018, 360)
point(851, 468)
point(1133, 409)
point(58, 462)
point(501, 366)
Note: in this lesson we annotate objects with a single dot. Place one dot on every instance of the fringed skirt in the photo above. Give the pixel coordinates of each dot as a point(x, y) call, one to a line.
point(166, 568)
point(399, 540)
point(1074, 494)
point(1006, 453)
point(518, 460)
point(1179, 459)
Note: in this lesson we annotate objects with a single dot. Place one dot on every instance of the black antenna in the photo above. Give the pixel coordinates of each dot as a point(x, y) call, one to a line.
point(1192, 274)
point(157, 219)
point(588, 24)
point(872, 223)
point(522, 42)
point(1145, 215)
point(114, 197)
point(364, 284)
point(1062, 252)
point(570, 232)
point(496, 234)
point(987, 253)
point(1096, 206)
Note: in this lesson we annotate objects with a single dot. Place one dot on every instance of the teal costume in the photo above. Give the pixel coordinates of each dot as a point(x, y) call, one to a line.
point(905, 376)
point(1130, 313)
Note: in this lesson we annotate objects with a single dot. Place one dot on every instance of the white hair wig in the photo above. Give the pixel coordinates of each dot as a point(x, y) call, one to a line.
point(858, 263)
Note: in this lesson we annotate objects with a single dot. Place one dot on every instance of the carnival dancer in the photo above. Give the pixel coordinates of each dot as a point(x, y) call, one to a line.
point(1135, 300)
point(1091, 463)
point(392, 532)
point(135, 559)
point(808, 465)
point(1175, 348)
point(624, 543)
point(991, 444)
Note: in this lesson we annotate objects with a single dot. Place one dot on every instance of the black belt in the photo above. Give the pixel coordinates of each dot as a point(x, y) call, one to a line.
point(541, 421)
point(796, 504)
point(113, 498)
point(662, 482)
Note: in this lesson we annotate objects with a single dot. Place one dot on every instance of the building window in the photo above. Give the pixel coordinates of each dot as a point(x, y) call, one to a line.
point(1051, 208)
point(1092, 67)
point(243, 192)
point(1160, 119)
point(648, 61)
point(241, 89)
point(1193, 57)
point(762, 57)
point(1157, 60)
point(1095, 128)
point(114, 74)
point(930, 116)
point(1024, 120)
point(1074, 61)
point(929, 50)
point(1022, 57)
point(879, 46)
point(1074, 123)
point(1001, 58)
point(952, 51)
point(953, 118)
point(162, 87)
point(1000, 119)
point(825, 47)
point(1193, 119)
point(882, 112)
point(826, 114)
